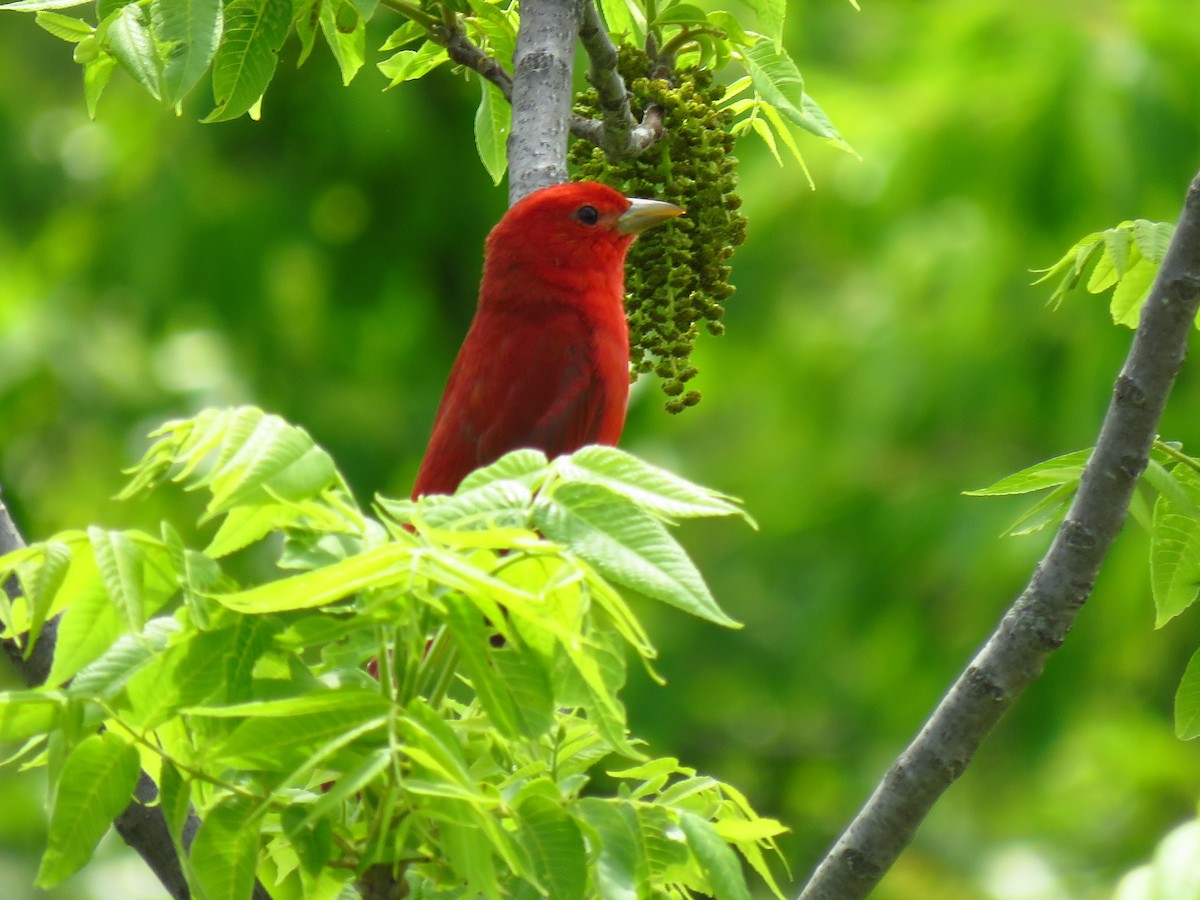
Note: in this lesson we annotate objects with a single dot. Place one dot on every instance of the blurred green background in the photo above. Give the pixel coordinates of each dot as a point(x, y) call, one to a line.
point(885, 352)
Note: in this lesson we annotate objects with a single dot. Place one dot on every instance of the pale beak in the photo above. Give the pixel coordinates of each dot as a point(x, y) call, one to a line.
point(643, 214)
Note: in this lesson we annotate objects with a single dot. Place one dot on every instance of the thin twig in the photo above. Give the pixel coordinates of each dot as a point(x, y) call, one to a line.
point(1038, 622)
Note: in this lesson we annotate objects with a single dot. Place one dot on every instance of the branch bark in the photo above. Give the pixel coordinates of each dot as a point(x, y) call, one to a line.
point(1038, 621)
point(142, 826)
point(541, 96)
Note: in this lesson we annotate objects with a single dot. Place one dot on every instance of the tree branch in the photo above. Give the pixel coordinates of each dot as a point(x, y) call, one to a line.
point(1037, 623)
point(142, 826)
point(541, 97)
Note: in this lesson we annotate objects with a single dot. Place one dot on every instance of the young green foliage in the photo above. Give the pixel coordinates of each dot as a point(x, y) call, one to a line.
point(423, 692)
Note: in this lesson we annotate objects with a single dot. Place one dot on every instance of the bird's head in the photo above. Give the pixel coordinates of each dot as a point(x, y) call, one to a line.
point(572, 230)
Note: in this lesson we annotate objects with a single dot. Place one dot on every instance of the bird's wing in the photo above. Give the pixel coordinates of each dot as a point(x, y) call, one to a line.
point(520, 384)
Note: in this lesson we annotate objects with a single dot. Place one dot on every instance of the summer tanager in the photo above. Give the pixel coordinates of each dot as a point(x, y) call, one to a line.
point(545, 363)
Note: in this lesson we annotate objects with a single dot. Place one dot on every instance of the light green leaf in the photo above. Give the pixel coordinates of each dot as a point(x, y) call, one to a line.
point(1132, 292)
point(1048, 510)
point(67, 28)
point(525, 466)
point(97, 781)
point(133, 46)
point(96, 73)
point(108, 675)
point(272, 742)
point(225, 852)
point(770, 18)
point(88, 627)
point(650, 487)
point(1187, 701)
point(621, 869)
point(1152, 238)
point(1117, 245)
point(554, 842)
point(184, 675)
point(41, 580)
point(245, 61)
point(627, 545)
point(372, 701)
point(496, 504)
point(192, 31)
point(622, 18)
point(121, 564)
point(409, 65)
point(380, 567)
point(681, 13)
point(732, 29)
point(775, 77)
point(346, 35)
point(33, 5)
point(24, 714)
point(493, 120)
point(1174, 561)
point(716, 858)
point(1049, 473)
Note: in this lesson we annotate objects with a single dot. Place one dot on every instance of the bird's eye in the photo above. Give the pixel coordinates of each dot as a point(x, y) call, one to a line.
point(587, 215)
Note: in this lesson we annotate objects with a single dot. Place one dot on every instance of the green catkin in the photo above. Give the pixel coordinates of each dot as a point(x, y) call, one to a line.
point(677, 277)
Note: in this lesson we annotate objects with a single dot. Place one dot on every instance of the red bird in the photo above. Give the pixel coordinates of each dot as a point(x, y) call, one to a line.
point(545, 363)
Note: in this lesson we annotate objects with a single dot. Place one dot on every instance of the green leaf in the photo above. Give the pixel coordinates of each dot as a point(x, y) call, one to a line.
point(1048, 510)
point(1153, 238)
point(621, 869)
point(628, 546)
point(96, 73)
point(192, 30)
point(681, 13)
point(24, 714)
point(730, 27)
point(716, 858)
point(277, 741)
point(1174, 561)
point(130, 654)
point(1132, 292)
point(1187, 701)
point(225, 852)
point(380, 567)
point(41, 580)
point(1064, 469)
point(770, 18)
point(553, 840)
point(133, 46)
point(409, 65)
point(184, 675)
point(33, 5)
point(1117, 245)
point(493, 120)
point(650, 487)
point(525, 466)
point(97, 781)
point(496, 504)
point(67, 28)
point(89, 625)
point(245, 61)
point(346, 34)
point(121, 564)
point(621, 18)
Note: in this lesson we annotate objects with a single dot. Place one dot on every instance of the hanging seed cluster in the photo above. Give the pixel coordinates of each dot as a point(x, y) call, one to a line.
point(677, 277)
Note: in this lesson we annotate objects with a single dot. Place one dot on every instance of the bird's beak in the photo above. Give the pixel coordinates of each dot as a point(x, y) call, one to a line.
point(643, 214)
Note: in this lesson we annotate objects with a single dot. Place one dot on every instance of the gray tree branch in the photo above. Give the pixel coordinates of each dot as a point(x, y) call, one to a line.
point(541, 96)
point(1038, 621)
point(142, 826)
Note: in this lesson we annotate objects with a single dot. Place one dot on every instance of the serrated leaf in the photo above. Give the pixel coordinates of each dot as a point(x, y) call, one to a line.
point(191, 29)
point(96, 783)
point(1174, 561)
point(269, 742)
point(493, 120)
point(224, 853)
point(496, 504)
point(121, 564)
point(89, 626)
point(621, 870)
point(716, 858)
point(67, 28)
point(133, 46)
point(374, 568)
point(1117, 244)
point(249, 52)
point(1048, 473)
point(108, 675)
point(650, 487)
point(184, 675)
point(776, 78)
point(552, 839)
point(525, 466)
point(1152, 238)
point(627, 545)
point(1187, 701)
point(41, 580)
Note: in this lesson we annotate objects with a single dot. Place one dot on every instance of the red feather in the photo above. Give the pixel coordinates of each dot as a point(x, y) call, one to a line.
point(545, 363)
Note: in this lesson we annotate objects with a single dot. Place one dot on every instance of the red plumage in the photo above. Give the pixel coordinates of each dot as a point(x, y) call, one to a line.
point(545, 363)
